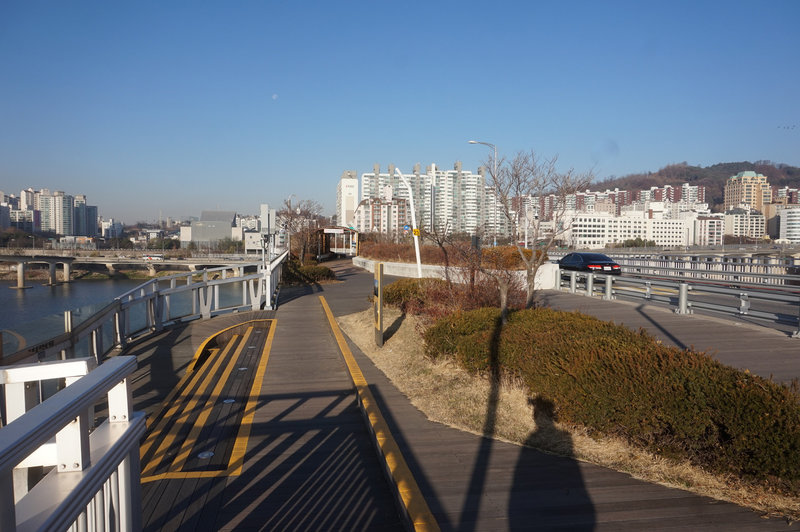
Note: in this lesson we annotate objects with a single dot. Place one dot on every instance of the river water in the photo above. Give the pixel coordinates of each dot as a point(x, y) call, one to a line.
point(41, 308)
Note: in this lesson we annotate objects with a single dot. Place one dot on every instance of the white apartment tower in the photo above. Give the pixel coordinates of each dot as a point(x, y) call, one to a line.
point(347, 198)
point(454, 200)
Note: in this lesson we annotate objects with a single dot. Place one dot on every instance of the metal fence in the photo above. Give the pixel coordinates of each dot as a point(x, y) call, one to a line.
point(92, 472)
point(742, 299)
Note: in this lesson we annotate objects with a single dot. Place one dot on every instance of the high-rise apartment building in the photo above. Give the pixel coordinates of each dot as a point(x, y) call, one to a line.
point(347, 198)
point(453, 200)
point(747, 188)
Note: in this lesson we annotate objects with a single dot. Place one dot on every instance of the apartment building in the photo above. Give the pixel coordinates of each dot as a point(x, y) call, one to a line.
point(595, 231)
point(748, 188)
point(745, 222)
point(386, 215)
point(454, 200)
point(347, 198)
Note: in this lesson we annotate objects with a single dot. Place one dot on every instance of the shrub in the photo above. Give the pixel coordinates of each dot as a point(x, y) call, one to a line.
point(620, 382)
point(294, 273)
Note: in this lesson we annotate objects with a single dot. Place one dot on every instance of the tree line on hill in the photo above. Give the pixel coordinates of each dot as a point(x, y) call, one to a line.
point(712, 177)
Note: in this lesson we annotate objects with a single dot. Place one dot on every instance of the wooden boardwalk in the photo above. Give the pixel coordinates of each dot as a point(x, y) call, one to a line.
point(309, 460)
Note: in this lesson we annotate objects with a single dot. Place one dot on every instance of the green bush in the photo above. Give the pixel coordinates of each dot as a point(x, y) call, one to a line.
point(615, 381)
point(294, 273)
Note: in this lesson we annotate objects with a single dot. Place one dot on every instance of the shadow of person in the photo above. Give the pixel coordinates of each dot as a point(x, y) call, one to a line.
point(547, 492)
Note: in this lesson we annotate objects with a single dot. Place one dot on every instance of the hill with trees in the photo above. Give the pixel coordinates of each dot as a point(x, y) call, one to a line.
point(712, 177)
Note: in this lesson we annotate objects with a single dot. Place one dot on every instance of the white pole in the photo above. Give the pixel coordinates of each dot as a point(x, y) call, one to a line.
point(413, 221)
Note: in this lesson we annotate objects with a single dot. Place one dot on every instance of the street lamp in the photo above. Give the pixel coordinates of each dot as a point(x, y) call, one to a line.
point(494, 176)
point(413, 221)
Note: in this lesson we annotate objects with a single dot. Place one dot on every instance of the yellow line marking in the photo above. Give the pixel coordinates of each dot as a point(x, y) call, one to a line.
point(236, 460)
point(166, 441)
point(240, 444)
point(412, 498)
point(190, 440)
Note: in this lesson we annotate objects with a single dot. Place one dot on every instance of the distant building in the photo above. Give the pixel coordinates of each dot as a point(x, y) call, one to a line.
point(212, 227)
point(709, 230)
point(347, 198)
point(789, 224)
point(745, 222)
point(387, 216)
point(748, 188)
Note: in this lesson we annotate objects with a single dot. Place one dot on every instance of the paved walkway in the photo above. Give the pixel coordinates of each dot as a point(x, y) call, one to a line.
point(310, 462)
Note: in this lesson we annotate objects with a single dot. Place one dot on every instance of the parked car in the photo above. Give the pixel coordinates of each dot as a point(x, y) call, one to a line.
point(590, 262)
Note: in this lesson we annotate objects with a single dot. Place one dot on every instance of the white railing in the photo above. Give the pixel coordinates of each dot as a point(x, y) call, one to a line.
point(93, 482)
point(158, 303)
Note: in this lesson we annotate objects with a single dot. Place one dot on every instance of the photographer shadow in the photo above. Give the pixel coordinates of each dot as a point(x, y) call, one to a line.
point(548, 491)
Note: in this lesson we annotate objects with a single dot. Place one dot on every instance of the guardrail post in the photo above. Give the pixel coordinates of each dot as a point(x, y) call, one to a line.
point(683, 299)
point(648, 290)
point(590, 284)
point(572, 282)
point(744, 303)
point(609, 288)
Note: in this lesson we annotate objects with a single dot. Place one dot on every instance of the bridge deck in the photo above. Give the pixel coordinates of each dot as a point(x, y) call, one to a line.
point(309, 463)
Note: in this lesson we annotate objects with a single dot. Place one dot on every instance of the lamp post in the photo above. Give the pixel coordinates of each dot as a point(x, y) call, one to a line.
point(494, 176)
point(413, 221)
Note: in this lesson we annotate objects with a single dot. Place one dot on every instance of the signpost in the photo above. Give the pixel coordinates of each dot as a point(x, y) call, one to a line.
point(377, 301)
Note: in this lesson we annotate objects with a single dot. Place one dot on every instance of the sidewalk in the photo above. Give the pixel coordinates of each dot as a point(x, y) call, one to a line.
point(310, 462)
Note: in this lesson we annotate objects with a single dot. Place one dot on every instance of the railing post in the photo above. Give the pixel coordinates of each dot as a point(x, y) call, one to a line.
point(683, 299)
point(72, 445)
point(744, 303)
point(648, 290)
point(609, 288)
point(572, 282)
point(590, 284)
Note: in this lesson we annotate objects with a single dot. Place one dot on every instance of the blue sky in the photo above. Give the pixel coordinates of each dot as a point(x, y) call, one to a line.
point(176, 107)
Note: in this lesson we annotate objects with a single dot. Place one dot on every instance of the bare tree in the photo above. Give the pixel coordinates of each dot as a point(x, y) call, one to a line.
point(519, 183)
point(301, 221)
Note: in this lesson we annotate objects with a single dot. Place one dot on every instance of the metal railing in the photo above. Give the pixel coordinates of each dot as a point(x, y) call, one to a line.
point(155, 304)
point(685, 297)
point(93, 478)
point(93, 482)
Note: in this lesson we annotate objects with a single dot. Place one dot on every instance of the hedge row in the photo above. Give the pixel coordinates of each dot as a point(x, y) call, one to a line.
point(615, 381)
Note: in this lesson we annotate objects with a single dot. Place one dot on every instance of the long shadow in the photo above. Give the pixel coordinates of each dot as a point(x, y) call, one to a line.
point(548, 491)
point(472, 501)
point(672, 338)
point(394, 327)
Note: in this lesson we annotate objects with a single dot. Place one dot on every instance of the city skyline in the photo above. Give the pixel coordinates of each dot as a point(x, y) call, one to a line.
point(179, 108)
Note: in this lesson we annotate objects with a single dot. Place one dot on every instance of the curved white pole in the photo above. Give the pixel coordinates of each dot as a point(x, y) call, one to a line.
point(413, 221)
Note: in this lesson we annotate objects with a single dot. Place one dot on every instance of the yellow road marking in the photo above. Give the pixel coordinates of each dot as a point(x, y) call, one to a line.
point(240, 444)
point(166, 441)
point(213, 397)
point(236, 460)
point(416, 507)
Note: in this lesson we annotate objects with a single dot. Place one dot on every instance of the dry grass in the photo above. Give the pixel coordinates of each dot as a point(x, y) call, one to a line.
point(449, 395)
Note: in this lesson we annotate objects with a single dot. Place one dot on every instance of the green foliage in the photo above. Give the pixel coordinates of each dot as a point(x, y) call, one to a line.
point(619, 382)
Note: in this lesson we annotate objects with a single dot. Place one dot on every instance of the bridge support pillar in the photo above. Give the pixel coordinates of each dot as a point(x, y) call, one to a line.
point(67, 272)
point(110, 268)
point(52, 281)
point(21, 275)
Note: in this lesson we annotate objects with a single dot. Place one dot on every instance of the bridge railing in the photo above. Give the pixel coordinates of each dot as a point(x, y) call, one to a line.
point(156, 304)
point(93, 477)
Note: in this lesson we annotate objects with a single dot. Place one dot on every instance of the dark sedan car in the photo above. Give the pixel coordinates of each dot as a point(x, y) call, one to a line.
point(590, 262)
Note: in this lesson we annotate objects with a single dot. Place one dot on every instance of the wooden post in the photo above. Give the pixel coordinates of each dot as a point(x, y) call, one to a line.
point(377, 299)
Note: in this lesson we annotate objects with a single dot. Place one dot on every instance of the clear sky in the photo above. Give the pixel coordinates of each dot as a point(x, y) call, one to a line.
point(174, 107)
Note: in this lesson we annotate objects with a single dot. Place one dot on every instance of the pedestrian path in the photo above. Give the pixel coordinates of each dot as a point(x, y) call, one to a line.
point(310, 461)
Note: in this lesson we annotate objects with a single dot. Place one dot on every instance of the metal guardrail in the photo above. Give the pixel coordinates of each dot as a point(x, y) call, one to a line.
point(155, 304)
point(683, 297)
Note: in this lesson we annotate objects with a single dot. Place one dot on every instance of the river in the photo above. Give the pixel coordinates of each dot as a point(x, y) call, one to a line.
point(42, 307)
